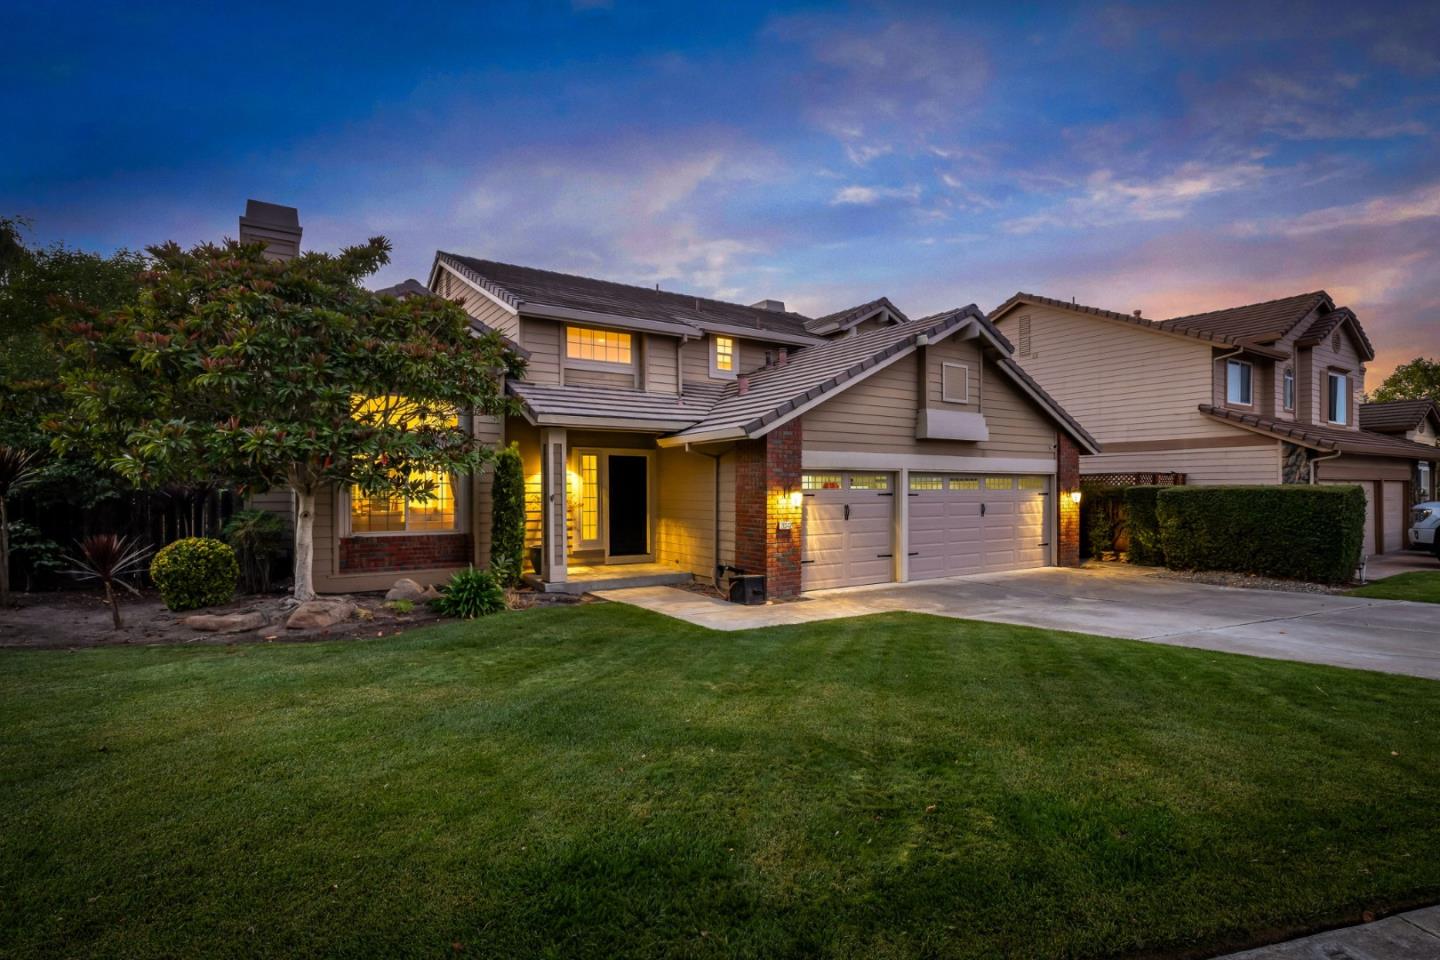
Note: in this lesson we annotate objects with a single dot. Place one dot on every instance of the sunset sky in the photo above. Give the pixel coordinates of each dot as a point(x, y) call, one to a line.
point(1171, 158)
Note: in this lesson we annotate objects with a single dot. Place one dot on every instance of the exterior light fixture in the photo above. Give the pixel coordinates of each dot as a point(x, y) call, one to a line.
point(1074, 496)
point(795, 498)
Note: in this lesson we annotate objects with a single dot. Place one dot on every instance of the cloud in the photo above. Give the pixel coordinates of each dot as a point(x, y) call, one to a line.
point(1106, 199)
point(1422, 203)
point(865, 196)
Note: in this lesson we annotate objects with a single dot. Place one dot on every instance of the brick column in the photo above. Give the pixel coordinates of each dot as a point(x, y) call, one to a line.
point(1067, 516)
point(766, 470)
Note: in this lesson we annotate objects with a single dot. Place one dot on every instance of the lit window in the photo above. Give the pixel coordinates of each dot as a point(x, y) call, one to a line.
point(964, 483)
point(601, 346)
point(1288, 390)
point(1237, 382)
point(869, 481)
point(1336, 410)
point(1032, 483)
point(724, 355)
point(926, 481)
point(999, 483)
point(820, 481)
point(386, 513)
point(589, 496)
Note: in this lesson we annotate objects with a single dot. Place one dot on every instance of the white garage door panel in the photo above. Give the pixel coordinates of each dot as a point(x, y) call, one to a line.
point(847, 552)
point(951, 535)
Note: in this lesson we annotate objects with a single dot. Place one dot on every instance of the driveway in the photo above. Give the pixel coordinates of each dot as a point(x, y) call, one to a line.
point(1117, 601)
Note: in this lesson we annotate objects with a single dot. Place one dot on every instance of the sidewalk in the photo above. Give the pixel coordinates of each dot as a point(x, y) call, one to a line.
point(1405, 936)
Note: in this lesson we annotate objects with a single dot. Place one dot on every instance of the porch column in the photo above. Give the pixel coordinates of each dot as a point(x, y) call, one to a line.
point(554, 511)
point(767, 508)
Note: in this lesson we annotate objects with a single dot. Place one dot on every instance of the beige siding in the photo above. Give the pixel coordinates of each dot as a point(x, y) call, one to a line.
point(662, 364)
point(543, 339)
point(580, 377)
point(727, 509)
point(685, 530)
point(1322, 359)
point(1121, 382)
point(1217, 465)
point(478, 305)
point(280, 501)
point(695, 359)
point(878, 415)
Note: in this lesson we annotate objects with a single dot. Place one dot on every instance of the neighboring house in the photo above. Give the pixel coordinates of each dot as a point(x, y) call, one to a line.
point(1414, 420)
point(666, 436)
point(1264, 393)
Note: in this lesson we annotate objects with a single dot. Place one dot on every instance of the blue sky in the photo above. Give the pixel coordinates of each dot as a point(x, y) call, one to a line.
point(1166, 157)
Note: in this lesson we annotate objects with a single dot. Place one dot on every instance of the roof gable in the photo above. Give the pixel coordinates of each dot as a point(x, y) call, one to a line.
point(1259, 322)
point(846, 319)
point(1398, 416)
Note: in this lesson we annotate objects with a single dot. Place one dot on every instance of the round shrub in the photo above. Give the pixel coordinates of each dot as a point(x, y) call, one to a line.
point(195, 572)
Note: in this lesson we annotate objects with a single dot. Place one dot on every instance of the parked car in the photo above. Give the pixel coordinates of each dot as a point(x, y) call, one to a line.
point(1424, 521)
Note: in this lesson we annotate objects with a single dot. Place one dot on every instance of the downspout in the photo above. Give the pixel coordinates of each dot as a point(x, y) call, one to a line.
point(1315, 460)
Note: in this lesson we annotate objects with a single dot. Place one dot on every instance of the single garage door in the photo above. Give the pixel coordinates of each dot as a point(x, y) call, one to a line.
point(1397, 515)
point(976, 524)
point(847, 529)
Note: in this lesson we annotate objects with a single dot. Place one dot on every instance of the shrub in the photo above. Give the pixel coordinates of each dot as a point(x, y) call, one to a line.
point(195, 572)
point(258, 538)
point(401, 606)
point(1303, 532)
point(1102, 519)
point(1142, 525)
point(469, 594)
point(507, 517)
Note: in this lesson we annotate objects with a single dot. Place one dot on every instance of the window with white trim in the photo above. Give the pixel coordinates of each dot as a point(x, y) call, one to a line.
point(722, 356)
point(1287, 389)
point(954, 383)
point(1337, 401)
point(598, 346)
point(1238, 374)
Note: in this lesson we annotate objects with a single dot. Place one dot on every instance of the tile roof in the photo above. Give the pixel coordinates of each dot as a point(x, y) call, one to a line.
point(659, 411)
point(1327, 322)
point(1397, 416)
point(516, 284)
point(1253, 321)
point(1035, 298)
point(1361, 442)
point(840, 319)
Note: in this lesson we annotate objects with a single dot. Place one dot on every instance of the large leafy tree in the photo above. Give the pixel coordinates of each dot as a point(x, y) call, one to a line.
point(235, 369)
point(1417, 380)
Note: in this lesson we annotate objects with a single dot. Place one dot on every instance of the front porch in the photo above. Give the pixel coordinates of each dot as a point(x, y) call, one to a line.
point(587, 578)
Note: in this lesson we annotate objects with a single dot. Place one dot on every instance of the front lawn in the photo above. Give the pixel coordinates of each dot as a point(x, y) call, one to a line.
point(1421, 585)
point(601, 781)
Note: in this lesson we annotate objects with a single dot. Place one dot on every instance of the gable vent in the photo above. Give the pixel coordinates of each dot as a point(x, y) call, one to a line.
point(1024, 336)
point(1335, 341)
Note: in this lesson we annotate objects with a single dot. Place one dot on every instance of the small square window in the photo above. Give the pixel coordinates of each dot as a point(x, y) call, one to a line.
point(1032, 483)
point(954, 383)
point(964, 483)
point(869, 481)
point(926, 481)
point(999, 483)
point(820, 481)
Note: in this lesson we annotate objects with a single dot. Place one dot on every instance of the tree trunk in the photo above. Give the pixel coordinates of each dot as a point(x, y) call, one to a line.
point(304, 544)
point(114, 602)
point(4, 555)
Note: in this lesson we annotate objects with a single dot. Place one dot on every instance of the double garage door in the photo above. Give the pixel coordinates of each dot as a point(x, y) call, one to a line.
point(957, 524)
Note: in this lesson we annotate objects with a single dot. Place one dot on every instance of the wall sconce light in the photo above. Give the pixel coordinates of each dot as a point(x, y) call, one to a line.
point(795, 499)
point(1075, 496)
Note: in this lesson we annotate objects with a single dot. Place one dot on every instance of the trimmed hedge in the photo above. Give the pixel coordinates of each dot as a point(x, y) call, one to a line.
point(1102, 520)
point(195, 572)
point(1302, 532)
point(1143, 525)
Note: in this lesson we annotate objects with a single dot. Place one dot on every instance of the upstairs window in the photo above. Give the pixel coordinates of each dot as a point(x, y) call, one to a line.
point(722, 356)
point(598, 346)
point(1337, 403)
point(1237, 382)
point(1288, 388)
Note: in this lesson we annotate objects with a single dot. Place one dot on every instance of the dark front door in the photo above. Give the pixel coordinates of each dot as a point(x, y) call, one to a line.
point(629, 506)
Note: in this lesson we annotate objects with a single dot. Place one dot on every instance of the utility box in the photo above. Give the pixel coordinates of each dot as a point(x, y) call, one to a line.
point(747, 588)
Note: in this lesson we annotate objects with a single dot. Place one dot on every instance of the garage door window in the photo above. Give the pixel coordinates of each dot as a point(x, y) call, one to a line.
point(1032, 483)
point(820, 481)
point(926, 481)
point(869, 481)
point(999, 483)
point(964, 483)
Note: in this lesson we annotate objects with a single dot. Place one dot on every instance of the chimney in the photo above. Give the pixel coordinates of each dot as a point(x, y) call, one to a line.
point(784, 355)
point(774, 306)
point(273, 225)
point(742, 384)
point(1137, 314)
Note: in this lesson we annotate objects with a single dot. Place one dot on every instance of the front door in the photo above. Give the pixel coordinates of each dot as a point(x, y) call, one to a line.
point(629, 497)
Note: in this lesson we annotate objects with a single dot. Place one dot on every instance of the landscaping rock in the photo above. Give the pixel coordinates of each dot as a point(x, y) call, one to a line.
point(315, 614)
point(227, 622)
point(407, 589)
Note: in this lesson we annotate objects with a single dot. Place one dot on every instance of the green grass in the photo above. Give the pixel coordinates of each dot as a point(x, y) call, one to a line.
point(600, 781)
point(1420, 585)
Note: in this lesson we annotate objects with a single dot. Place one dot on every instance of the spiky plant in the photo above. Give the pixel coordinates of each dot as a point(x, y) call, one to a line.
point(16, 468)
point(110, 558)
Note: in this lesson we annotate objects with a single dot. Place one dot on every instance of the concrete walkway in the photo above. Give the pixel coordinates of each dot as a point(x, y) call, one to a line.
point(1118, 601)
point(1405, 936)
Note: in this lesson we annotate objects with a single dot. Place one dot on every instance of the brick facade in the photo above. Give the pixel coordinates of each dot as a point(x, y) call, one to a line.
point(1067, 478)
point(765, 470)
point(424, 551)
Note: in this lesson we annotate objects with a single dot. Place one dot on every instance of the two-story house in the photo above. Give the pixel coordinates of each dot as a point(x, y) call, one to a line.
point(1265, 393)
point(667, 437)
